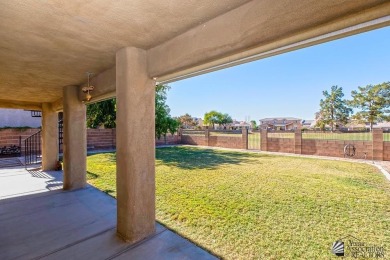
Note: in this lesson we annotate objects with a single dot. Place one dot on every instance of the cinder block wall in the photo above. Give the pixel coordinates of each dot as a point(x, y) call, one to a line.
point(335, 148)
point(101, 139)
point(194, 140)
point(282, 145)
point(170, 139)
point(106, 139)
point(9, 137)
point(370, 150)
point(234, 142)
point(98, 139)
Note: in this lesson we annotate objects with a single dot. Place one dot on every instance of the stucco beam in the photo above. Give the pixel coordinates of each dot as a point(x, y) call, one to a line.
point(244, 35)
point(58, 105)
point(20, 105)
point(104, 84)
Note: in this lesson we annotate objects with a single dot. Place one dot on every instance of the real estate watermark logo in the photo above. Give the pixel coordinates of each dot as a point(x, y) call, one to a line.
point(338, 248)
point(350, 246)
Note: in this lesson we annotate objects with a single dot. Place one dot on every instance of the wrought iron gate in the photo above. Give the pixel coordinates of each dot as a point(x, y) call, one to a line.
point(60, 131)
point(32, 149)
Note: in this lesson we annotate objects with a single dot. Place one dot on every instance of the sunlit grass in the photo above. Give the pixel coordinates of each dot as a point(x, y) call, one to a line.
point(252, 206)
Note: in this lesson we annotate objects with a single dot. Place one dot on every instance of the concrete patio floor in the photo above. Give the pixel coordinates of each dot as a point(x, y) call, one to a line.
point(38, 220)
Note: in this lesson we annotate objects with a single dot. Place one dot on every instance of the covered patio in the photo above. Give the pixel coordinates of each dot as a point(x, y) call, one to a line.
point(130, 46)
point(79, 224)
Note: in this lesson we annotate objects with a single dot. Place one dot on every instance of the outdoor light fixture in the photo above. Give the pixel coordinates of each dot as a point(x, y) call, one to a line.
point(87, 89)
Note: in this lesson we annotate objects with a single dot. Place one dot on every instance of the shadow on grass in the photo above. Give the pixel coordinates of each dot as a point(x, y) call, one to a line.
point(92, 175)
point(194, 158)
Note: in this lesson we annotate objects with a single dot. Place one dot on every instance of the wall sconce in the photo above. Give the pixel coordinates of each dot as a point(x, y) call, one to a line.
point(88, 89)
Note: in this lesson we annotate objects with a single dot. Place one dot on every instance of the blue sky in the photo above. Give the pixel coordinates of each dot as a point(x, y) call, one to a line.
point(290, 84)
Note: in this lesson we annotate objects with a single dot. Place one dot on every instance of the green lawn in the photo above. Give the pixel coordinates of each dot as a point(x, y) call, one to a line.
point(252, 206)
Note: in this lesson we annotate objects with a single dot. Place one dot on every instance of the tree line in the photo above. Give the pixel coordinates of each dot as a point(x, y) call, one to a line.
point(371, 103)
point(103, 114)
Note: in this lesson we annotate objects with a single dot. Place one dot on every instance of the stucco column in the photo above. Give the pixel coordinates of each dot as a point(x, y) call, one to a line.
point(135, 137)
point(49, 137)
point(75, 140)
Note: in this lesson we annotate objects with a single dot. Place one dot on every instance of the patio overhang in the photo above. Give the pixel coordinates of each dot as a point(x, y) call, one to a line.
point(242, 35)
point(47, 47)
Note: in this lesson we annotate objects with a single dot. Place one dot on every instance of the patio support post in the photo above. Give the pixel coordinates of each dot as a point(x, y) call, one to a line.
point(49, 137)
point(75, 140)
point(135, 136)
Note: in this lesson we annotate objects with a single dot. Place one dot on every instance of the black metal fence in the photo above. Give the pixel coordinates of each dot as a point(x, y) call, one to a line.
point(225, 132)
point(193, 132)
point(361, 135)
point(32, 149)
point(60, 130)
point(386, 135)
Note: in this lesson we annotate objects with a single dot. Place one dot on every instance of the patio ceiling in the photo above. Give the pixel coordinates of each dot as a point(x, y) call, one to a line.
point(46, 45)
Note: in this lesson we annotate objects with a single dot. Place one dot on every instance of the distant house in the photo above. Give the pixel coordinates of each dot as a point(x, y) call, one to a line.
point(237, 125)
point(383, 125)
point(280, 123)
point(308, 124)
point(355, 125)
point(198, 121)
point(19, 118)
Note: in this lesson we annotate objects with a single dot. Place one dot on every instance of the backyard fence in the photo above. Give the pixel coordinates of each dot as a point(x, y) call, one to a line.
point(217, 138)
point(354, 144)
point(361, 144)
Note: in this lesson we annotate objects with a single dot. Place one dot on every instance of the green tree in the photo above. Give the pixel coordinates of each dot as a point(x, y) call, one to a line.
point(373, 101)
point(254, 124)
point(225, 119)
point(212, 118)
point(333, 108)
point(102, 113)
point(173, 125)
point(163, 121)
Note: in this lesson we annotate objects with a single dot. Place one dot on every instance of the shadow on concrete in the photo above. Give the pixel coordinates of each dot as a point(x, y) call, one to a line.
point(10, 162)
point(54, 178)
point(78, 224)
point(195, 158)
